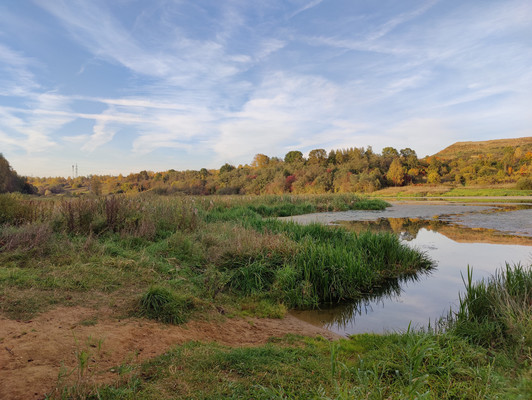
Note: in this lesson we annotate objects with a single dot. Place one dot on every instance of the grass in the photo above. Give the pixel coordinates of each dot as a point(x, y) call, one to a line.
point(433, 364)
point(175, 258)
point(497, 312)
point(450, 191)
point(63, 250)
point(165, 305)
point(411, 365)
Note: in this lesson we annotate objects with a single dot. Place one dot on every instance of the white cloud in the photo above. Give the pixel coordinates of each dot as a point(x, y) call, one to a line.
point(427, 135)
point(282, 110)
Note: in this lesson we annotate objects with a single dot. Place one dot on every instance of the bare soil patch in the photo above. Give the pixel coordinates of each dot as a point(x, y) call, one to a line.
point(32, 353)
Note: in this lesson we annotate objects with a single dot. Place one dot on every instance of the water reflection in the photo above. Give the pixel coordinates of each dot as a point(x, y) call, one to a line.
point(418, 299)
point(408, 228)
point(340, 317)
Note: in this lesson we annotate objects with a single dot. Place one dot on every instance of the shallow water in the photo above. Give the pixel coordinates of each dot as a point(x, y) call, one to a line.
point(455, 236)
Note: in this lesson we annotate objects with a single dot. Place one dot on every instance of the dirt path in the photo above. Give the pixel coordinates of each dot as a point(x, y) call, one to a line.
point(32, 353)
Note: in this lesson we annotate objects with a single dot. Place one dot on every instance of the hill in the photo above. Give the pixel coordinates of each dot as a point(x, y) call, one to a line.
point(474, 149)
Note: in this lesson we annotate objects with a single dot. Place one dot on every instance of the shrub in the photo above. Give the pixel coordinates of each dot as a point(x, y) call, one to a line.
point(524, 184)
point(15, 211)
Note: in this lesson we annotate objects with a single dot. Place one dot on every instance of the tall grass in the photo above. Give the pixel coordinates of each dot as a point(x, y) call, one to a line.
point(496, 312)
point(332, 271)
point(210, 245)
point(329, 265)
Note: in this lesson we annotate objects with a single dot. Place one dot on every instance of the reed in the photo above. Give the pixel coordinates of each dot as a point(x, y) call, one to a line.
point(496, 312)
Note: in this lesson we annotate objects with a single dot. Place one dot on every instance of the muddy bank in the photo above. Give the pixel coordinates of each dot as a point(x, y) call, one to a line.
point(32, 353)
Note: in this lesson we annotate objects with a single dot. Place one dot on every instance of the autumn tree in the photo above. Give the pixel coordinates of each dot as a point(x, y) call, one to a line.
point(95, 185)
point(260, 161)
point(11, 182)
point(396, 172)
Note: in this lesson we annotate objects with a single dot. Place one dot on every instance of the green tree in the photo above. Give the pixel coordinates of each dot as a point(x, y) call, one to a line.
point(317, 156)
point(409, 158)
point(293, 156)
point(226, 168)
point(390, 152)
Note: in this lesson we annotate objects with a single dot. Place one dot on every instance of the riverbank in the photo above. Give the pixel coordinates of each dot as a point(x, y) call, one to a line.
point(93, 271)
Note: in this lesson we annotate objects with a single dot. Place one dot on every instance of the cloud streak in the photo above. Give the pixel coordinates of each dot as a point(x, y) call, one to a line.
point(227, 80)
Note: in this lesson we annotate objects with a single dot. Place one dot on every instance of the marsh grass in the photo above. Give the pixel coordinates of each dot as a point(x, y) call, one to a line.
point(497, 312)
point(199, 246)
point(329, 264)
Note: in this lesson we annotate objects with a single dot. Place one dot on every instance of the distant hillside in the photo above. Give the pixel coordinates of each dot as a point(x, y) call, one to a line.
point(493, 147)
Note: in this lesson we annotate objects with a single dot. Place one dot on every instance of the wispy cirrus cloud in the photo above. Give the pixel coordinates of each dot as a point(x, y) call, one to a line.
point(231, 79)
point(307, 6)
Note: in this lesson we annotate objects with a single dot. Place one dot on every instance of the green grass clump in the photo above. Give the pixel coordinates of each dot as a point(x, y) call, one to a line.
point(164, 305)
point(497, 312)
point(330, 264)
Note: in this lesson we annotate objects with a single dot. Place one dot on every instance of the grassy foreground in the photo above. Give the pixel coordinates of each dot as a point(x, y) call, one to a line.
point(484, 352)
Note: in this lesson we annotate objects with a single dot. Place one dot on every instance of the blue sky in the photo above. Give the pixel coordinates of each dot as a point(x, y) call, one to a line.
point(125, 85)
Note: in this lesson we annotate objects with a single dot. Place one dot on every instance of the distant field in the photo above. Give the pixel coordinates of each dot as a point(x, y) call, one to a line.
point(447, 191)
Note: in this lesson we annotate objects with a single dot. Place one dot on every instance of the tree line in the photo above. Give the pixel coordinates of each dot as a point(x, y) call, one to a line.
point(355, 169)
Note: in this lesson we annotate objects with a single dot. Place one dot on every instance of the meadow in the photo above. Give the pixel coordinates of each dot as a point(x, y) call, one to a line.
point(178, 258)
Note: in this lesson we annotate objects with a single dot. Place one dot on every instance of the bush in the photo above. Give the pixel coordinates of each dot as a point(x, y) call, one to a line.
point(524, 184)
point(16, 211)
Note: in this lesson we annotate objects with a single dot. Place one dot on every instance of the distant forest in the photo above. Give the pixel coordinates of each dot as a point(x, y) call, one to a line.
point(355, 169)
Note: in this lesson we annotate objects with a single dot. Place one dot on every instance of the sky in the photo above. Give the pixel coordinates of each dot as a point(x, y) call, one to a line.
point(128, 85)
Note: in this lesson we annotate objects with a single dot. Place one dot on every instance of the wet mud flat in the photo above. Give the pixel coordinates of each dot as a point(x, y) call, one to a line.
point(513, 219)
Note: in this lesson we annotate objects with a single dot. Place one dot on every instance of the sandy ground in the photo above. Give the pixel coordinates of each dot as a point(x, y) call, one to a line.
point(32, 353)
